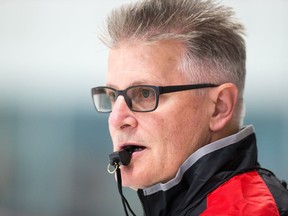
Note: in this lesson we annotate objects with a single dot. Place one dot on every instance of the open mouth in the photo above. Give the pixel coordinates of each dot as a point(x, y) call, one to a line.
point(134, 148)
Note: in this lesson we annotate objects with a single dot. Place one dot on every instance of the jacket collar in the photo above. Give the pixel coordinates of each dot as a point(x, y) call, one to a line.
point(205, 169)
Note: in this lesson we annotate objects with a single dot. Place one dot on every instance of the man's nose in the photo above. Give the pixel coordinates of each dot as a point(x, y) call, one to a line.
point(121, 116)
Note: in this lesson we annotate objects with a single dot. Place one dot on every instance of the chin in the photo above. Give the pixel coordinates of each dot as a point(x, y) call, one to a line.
point(134, 183)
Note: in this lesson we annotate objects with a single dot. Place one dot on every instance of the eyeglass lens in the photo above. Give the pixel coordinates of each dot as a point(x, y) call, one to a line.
point(138, 98)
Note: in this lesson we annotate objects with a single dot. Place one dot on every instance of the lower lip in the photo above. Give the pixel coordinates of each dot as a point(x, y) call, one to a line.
point(137, 153)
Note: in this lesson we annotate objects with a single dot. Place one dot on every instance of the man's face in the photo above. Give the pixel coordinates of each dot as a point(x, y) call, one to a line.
point(168, 135)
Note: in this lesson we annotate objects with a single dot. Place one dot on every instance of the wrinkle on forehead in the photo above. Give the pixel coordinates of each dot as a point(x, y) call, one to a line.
point(148, 62)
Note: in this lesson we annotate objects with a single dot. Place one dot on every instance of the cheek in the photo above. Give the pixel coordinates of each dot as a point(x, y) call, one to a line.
point(184, 132)
point(176, 131)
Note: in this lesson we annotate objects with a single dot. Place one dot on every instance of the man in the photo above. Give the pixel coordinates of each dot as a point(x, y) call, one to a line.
point(175, 82)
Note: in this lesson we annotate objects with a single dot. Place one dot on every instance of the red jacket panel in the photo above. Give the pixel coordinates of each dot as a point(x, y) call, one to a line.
point(245, 194)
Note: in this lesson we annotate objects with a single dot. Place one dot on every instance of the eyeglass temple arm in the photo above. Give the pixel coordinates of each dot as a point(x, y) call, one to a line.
point(169, 89)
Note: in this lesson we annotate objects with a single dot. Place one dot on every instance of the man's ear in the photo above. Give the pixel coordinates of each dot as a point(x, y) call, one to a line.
point(224, 98)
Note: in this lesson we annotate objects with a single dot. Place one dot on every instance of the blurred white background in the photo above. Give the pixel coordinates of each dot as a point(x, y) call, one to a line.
point(53, 145)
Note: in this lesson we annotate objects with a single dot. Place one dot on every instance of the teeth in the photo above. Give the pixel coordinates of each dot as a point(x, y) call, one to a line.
point(138, 148)
point(132, 149)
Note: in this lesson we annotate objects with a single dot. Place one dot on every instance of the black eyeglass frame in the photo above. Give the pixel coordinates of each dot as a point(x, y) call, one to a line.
point(158, 90)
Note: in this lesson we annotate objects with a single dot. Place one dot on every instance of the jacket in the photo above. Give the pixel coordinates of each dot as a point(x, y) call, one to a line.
point(221, 178)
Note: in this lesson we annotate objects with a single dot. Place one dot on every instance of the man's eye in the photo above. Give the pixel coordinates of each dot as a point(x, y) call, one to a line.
point(111, 96)
point(145, 93)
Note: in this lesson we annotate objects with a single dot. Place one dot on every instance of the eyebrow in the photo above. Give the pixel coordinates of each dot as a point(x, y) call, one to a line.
point(131, 84)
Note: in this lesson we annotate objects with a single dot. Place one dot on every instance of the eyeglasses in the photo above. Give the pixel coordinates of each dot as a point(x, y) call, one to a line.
point(140, 98)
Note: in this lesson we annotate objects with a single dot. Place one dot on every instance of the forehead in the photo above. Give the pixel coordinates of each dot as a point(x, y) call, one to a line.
point(155, 63)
